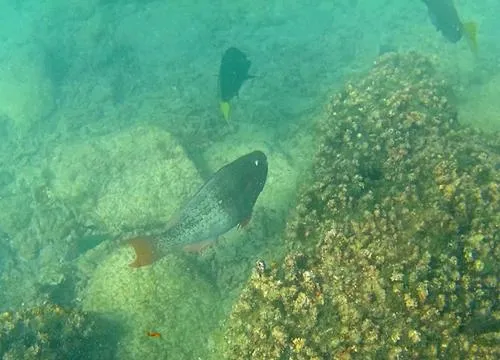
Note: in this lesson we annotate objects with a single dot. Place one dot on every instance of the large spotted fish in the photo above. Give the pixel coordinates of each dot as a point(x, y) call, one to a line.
point(223, 202)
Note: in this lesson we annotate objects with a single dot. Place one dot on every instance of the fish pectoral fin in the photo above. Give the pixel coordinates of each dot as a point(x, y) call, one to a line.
point(199, 247)
point(243, 223)
point(225, 109)
point(144, 251)
point(470, 32)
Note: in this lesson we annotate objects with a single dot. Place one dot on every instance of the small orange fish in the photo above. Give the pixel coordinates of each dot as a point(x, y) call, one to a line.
point(153, 334)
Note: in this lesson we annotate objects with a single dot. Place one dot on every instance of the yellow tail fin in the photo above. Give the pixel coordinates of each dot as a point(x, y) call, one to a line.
point(225, 108)
point(470, 33)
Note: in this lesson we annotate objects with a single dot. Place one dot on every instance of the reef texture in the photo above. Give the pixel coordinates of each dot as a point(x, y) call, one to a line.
point(65, 201)
point(171, 297)
point(393, 249)
point(51, 332)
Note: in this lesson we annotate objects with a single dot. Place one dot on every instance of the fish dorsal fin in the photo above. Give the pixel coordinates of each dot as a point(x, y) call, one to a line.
point(470, 32)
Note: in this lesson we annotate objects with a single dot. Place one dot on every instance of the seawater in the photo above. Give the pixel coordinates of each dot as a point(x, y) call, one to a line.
point(110, 121)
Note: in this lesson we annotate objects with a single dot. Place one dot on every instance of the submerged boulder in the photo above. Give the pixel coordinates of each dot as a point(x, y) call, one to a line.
point(27, 92)
point(49, 331)
point(131, 178)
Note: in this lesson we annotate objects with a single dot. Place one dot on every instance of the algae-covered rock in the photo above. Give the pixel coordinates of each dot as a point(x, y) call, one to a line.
point(49, 331)
point(398, 234)
point(172, 297)
point(27, 91)
point(132, 178)
point(179, 295)
point(84, 193)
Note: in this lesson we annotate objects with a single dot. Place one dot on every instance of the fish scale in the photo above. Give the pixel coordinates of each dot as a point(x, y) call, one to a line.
point(198, 223)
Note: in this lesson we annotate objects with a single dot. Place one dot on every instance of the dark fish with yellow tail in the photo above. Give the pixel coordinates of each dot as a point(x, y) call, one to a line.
point(444, 17)
point(223, 202)
point(233, 72)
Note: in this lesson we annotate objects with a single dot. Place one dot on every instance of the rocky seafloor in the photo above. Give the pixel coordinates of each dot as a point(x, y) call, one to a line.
point(391, 252)
point(66, 211)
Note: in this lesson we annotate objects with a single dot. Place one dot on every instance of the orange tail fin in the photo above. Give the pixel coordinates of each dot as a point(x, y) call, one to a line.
point(144, 251)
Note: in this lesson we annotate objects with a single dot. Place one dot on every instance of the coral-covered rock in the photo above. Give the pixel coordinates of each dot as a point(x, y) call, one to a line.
point(49, 331)
point(398, 234)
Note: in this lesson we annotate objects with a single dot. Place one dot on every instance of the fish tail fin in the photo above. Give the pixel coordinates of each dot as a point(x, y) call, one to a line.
point(470, 32)
point(144, 251)
point(244, 222)
point(225, 108)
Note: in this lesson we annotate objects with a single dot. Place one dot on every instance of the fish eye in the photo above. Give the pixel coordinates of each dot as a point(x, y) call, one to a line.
point(256, 162)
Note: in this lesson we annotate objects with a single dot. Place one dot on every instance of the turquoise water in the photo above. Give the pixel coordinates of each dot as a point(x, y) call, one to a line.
point(110, 121)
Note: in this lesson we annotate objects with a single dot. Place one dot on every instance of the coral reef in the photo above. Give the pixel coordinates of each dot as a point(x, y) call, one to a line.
point(393, 249)
point(49, 331)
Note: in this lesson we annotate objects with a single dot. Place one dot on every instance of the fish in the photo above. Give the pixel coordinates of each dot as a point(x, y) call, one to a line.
point(223, 202)
point(233, 72)
point(444, 17)
point(154, 334)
